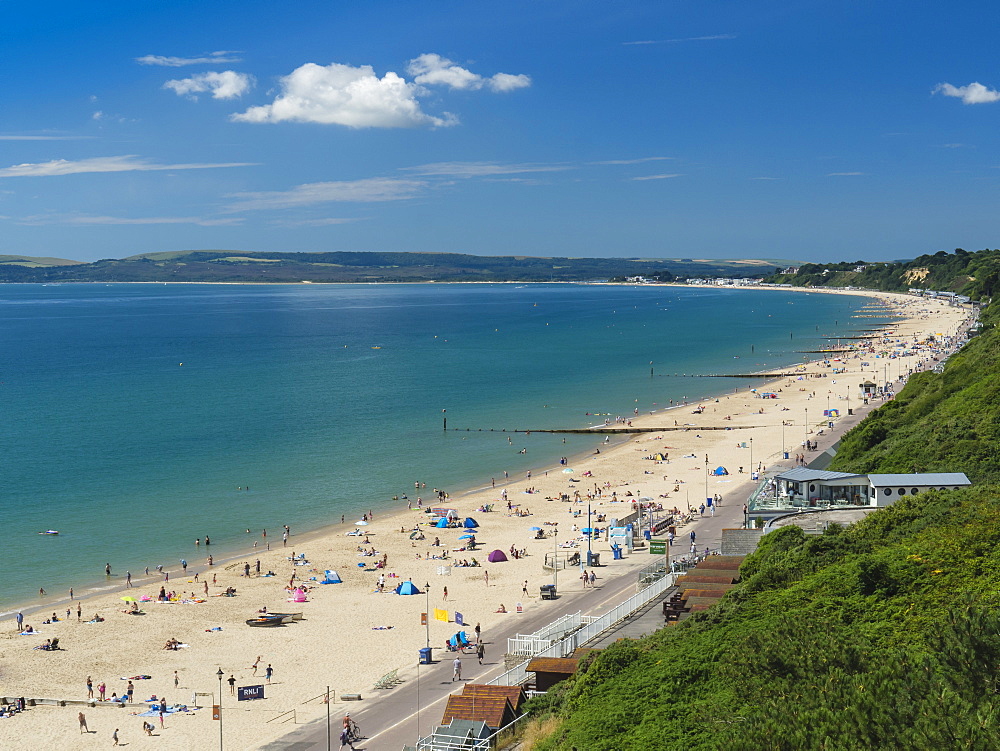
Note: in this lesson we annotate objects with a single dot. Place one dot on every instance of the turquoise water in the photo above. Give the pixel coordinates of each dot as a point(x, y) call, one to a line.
point(132, 413)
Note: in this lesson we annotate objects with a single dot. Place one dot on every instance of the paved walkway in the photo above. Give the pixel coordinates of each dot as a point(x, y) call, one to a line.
point(395, 718)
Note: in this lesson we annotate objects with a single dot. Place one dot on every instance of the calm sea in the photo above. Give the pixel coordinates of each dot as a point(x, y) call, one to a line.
point(132, 414)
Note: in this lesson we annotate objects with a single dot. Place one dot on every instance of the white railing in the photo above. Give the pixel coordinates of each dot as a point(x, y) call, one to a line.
point(565, 647)
point(435, 742)
point(531, 644)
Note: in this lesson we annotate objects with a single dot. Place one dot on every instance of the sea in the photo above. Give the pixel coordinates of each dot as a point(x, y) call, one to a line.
point(135, 418)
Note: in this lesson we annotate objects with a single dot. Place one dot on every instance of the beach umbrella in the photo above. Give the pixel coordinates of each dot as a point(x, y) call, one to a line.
point(567, 471)
point(128, 599)
point(465, 537)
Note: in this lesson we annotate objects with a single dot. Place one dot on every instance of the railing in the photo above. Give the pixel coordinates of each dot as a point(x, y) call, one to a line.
point(519, 674)
point(651, 574)
point(437, 742)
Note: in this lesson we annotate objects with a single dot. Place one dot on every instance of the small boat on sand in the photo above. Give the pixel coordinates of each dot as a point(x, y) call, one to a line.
point(266, 620)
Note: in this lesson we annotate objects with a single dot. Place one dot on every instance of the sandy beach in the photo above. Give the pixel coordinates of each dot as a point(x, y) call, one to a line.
point(351, 633)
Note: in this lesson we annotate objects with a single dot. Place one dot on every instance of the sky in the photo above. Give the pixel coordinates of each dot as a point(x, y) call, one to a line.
point(810, 130)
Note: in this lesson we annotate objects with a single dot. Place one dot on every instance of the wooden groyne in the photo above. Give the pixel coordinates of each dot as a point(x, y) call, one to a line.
point(602, 430)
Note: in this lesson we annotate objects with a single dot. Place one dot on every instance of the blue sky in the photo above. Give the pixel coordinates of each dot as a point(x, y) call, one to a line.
point(801, 130)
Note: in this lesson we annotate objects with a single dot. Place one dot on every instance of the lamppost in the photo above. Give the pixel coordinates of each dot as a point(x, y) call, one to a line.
point(427, 617)
point(784, 454)
point(590, 535)
point(751, 456)
point(555, 559)
point(706, 476)
point(220, 674)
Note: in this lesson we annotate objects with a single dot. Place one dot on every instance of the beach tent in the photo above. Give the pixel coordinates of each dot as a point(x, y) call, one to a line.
point(407, 588)
point(332, 577)
point(658, 457)
point(442, 523)
point(497, 556)
point(470, 523)
point(720, 471)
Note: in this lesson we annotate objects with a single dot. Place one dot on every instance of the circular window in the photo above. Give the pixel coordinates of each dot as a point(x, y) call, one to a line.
point(887, 491)
point(812, 488)
point(902, 491)
point(914, 491)
point(944, 488)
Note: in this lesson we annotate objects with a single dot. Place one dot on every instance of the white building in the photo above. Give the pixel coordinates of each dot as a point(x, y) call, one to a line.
point(802, 487)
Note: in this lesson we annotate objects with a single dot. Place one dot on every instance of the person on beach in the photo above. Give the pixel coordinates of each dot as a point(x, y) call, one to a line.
point(20, 620)
point(177, 680)
point(345, 738)
point(268, 672)
point(101, 688)
point(90, 687)
point(457, 667)
point(114, 737)
point(480, 652)
point(232, 685)
point(83, 722)
point(107, 569)
point(256, 664)
point(79, 611)
point(128, 580)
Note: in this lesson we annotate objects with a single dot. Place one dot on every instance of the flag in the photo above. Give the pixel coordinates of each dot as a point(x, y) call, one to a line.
point(440, 615)
point(458, 619)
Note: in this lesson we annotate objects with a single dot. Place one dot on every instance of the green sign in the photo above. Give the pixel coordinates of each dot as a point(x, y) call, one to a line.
point(657, 546)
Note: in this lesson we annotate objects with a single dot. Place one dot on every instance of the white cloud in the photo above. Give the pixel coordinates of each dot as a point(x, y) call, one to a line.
point(974, 93)
point(430, 69)
point(658, 177)
point(118, 220)
point(225, 85)
point(481, 169)
point(99, 115)
point(102, 164)
point(223, 56)
point(709, 38)
point(369, 190)
point(845, 174)
point(344, 95)
point(641, 160)
point(767, 178)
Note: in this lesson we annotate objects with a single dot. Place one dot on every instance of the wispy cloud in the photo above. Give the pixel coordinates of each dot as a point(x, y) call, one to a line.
point(973, 93)
point(767, 178)
point(43, 138)
point(127, 163)
point(227, 84)
point(77, 219)
point(481, 169)
point(845, 174)
point(212, 58)
point(323, 222)
point(708, 38)
point(955, 146)
point(370, 190)
point(641, 160)
point(656, 177)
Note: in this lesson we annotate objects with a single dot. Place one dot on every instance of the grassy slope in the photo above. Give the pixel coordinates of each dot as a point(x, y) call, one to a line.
point(882, 635)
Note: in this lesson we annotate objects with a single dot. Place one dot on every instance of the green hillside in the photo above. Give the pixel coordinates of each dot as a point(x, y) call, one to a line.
point(36, 262)
point(975, 274)
point(255, 267)
point(882, 635)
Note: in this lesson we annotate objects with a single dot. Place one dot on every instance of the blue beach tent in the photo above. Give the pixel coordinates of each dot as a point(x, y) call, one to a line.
point(332, 577)
point(470, 523)
point(407, 588)
point(720, 471)
point(442, 523)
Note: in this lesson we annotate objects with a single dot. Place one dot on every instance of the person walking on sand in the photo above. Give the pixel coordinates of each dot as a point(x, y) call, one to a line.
point(486, 577)
point(457, 665)
point(90, 687)
point(524, 588)
point(256, 664)
point(177, 680)
point(268, 672)
point(83, 723)
point(20, 620)
point(232, 685)
point(79, 611)
point(114, 737)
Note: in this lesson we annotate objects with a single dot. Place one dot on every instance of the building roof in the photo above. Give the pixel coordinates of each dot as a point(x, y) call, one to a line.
point(805, 474)
point(564, 665)
point(514, 694)
point(495, 711)
point(939, 479)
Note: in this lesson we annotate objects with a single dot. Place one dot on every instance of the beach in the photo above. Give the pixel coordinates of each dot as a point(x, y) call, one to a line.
point(351, 633)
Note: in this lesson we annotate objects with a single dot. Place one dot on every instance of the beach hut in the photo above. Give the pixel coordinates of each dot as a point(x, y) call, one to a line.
point(720, 471)
point(470, 523)
point(407, 588)
point(497, 556)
